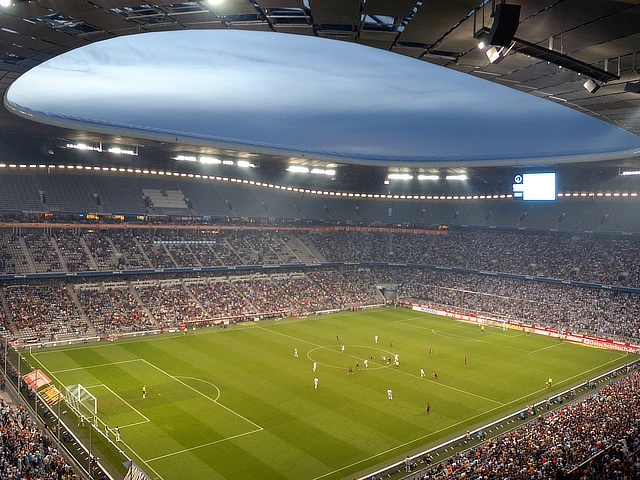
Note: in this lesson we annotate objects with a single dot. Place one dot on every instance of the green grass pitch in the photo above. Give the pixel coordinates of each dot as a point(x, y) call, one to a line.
point(237, 403)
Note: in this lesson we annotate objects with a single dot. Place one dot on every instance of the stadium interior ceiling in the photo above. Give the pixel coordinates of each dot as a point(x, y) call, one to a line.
point(601, 34)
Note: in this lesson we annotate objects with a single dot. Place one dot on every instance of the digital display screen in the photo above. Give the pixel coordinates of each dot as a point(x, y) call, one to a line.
point(535, 186)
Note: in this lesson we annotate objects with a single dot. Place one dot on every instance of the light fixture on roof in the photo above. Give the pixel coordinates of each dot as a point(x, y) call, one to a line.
point(591, 86)
point(5, 3)
point(481, 45)
point(297, 169)
point(399, 176)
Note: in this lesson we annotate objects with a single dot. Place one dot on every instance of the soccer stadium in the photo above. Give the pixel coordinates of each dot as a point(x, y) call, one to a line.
point(320, 239)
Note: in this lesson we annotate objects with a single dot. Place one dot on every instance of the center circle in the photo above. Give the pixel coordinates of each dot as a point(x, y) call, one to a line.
point(333, 357)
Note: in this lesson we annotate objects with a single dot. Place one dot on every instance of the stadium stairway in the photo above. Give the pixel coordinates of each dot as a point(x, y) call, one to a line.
point(173, 260)
point(8, 316)
point(144, 254)
point(92, 261)
point(27, 254)
point(305, 252)
point(83, 315)
point(134, 294)
point(194, 298)
point(63, 261)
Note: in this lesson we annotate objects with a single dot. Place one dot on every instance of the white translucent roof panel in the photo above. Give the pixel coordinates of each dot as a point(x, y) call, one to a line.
point(306, 97)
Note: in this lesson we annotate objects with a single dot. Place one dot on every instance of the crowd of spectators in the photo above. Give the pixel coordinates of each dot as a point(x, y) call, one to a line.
point(49, 311)
point(26, 451)
point(44, 313)
point(114, 310)
point(171, 305)
point(558, 445)
point(589, 258)
point(559, 306)
point(221, 299)
point(44, 256)
point(73, 251)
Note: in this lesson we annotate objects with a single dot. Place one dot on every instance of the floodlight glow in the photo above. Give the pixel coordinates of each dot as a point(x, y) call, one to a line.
point(428, 177)
point(227, 162)
point(245, 164)
point(321, 171)
point(210, 160)
point(5, 3)
point(122, 151)
point(83, 146)
point(481, 45)
point(631, 172)
point(456, 177)
point(185, 158)
point(214, 2)
point(297, 169)
point(399, 176)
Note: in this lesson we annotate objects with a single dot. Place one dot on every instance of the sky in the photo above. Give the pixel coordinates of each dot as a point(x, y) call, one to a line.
point(304, 96)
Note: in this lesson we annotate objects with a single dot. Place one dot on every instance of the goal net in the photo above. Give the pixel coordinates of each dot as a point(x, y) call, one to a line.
point(80, 400)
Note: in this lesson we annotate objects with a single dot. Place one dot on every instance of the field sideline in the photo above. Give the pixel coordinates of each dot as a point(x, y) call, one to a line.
point(237, 403)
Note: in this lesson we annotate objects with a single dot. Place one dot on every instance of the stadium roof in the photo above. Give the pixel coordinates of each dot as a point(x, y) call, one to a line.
point(603, 34)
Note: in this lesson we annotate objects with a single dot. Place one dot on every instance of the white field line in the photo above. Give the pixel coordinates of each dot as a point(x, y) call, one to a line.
point(203, 445)
point(202, 394)
point(128, 447)
point(406, 373)
point(94, 366)
point(128, 404)
point(397, 447)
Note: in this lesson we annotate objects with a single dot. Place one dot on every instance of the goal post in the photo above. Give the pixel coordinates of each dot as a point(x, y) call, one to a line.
point(81, 401)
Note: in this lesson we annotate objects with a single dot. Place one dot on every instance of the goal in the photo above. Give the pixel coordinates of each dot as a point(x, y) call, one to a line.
point(82, 402)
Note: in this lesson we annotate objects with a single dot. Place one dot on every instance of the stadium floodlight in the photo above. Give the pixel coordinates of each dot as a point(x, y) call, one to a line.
point(456, 177)
point(399, 176)
point(185, 158)
point(214, 2)
point(322, 171)
point(245, 164)
point(631, 172)
point(209, 160)
point(5, 3)
point(297, 169)
point(227, 162)
point(428, 177)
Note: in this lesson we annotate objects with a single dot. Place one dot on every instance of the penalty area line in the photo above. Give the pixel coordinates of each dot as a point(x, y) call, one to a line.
point(203, 445)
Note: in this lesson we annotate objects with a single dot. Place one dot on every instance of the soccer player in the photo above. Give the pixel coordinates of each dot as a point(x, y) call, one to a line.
point(342, 348)
point(315, 365)
point(390, 394)
point(396, 357)
point(337, 338)
point(482, 329)
point(357, 365)
point(375, 339)
point(366, 363)
point(295, 352)
point(422, 372)
point(549, 383)
point(350, 370)
point(428, 408)
point(315, 383)
point(117, 434)
point(390, 343)
point(435, 374)
point(144, 391)
point(397, 364)
point(106, 429)
point(465, 361)
point(430, 350)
